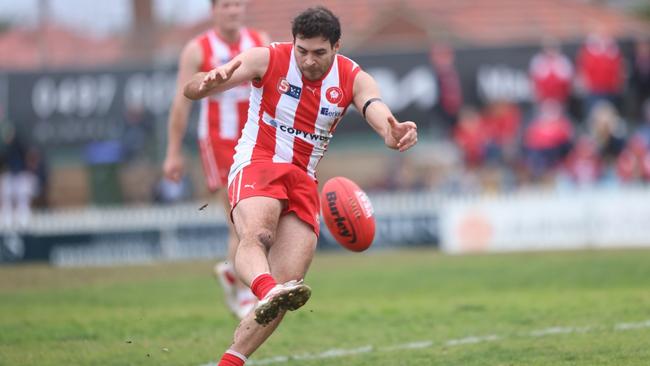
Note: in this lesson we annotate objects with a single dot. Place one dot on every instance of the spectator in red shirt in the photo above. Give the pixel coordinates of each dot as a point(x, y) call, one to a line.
point(600, 69)
point(502, 120)
point(547, 140)
point(472, 137)
point(551, 73)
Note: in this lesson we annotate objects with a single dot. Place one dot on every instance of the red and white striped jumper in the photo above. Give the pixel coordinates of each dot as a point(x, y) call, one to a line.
point(222, 116)
point(290, 122)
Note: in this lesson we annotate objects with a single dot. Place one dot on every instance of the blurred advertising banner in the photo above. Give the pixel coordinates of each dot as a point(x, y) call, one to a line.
point(77, 107)
point(603, 218)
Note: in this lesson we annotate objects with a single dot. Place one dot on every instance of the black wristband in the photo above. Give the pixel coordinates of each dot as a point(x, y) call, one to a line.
point(365, 106)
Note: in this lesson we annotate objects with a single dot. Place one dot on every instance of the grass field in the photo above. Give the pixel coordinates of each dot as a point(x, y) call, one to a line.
point(386, 308)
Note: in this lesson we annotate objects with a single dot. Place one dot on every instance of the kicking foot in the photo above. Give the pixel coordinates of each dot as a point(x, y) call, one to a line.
point(287, 296)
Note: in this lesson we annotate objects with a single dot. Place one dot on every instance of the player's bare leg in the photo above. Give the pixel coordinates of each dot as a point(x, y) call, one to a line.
point(256, 220)
point(289, 258)
point(238, 295)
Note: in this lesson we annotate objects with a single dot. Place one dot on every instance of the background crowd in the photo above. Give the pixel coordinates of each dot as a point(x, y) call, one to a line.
point(579, 130)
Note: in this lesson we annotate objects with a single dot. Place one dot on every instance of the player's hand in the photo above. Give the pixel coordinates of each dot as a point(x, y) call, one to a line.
point(402, 135)
point(173, 167)
point(218, 76)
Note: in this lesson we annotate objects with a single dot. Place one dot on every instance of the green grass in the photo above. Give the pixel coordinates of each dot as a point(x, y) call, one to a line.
point(172, 314)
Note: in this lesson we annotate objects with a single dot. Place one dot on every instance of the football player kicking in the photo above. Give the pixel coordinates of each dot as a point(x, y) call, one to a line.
point(300, 91)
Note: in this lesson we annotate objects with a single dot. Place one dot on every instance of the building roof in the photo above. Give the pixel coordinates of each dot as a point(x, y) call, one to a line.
point(387, 23)
point(368, 25)
point(55, 47)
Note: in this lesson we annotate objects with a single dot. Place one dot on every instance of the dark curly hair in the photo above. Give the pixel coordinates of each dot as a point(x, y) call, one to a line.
point(315, 22)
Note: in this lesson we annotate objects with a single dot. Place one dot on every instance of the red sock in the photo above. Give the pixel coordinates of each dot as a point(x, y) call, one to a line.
point(262, 284)
point(232, 358)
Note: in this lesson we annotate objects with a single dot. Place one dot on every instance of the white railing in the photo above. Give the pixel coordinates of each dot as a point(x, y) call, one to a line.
point(130, 218)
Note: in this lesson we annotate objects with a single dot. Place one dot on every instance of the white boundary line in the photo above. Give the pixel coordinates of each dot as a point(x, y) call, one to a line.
point(340, 352)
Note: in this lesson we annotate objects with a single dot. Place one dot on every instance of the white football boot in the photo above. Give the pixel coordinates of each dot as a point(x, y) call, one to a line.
point(290, 295)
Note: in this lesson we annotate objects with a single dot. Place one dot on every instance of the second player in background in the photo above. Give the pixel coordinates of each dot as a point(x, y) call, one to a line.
point(221, 120)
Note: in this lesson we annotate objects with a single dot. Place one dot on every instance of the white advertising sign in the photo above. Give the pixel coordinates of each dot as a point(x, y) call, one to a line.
point(547, 221)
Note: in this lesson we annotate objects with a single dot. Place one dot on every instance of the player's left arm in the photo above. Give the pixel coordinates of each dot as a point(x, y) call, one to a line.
point(367, 99)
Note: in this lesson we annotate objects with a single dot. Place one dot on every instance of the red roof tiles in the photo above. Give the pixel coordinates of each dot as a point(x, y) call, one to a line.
point(55, 47)
point(367, 25)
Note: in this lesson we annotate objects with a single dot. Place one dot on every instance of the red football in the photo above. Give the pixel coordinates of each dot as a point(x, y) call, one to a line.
point(348, 214)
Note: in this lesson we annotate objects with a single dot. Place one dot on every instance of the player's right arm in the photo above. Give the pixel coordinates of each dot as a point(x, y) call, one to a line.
point(247, 66)
point(188, 64)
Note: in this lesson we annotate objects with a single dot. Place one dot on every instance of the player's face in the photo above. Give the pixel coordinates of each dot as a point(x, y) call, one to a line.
point(229, 14)
point(314, 56)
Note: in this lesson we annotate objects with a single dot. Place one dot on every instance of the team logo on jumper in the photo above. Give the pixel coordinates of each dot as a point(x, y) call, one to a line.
point(334, 94)
point(326, 111)
point(284, 87)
